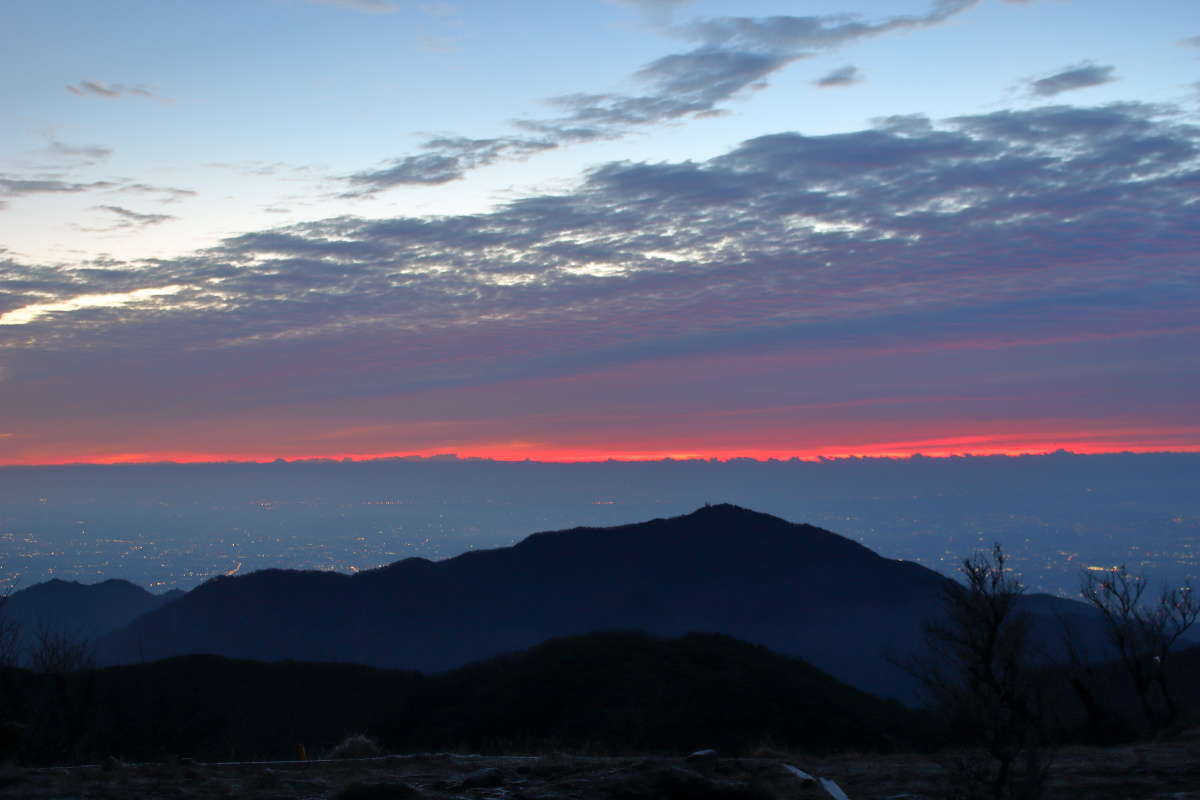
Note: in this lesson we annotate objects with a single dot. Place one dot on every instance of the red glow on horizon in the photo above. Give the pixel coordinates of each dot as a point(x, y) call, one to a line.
point(1089, 443)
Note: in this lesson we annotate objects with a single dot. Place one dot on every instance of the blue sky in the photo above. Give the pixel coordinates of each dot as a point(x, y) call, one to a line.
point(405, 208)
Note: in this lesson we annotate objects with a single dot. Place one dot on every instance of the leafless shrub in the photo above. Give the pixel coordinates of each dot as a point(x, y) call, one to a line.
point(356, 746)
point(10, 637)
point(56, 650)
point(1144, 634)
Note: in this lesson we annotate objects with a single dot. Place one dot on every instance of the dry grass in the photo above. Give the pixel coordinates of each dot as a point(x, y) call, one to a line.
point(1168, 770)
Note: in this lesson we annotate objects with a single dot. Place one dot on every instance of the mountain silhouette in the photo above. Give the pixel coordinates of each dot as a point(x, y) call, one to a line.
point(81, 611)
point(797, 589)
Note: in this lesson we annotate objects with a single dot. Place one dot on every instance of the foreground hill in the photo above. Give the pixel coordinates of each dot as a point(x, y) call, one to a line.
point(604, 692)
point(797, 589)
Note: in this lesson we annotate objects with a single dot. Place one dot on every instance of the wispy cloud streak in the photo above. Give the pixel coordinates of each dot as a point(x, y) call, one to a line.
point(126, 218)
point(21, 187)
point(842, 76)
point(1080, 76)
point(92, 153)
point(369, 6)
point(112, 91)
point(732, 56)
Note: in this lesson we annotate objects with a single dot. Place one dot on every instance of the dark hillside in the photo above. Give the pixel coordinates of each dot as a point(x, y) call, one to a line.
point(607, 692)
point(632, 693)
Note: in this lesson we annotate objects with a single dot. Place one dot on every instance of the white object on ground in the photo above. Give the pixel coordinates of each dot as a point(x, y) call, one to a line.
point(832, 789)
point(799, 773)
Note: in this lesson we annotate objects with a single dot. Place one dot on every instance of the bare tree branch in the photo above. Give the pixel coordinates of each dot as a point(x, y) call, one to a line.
point(1144, 634)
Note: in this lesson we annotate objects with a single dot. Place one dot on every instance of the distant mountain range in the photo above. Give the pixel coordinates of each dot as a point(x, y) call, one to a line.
point(796, 589)
point(81, 611)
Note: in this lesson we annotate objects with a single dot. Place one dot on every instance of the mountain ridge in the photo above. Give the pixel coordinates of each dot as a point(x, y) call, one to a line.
point(797, 589)
point(83, 611)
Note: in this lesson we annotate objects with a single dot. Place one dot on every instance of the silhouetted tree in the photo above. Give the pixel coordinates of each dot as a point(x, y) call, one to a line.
point(60, 701)
point(10, 634)
point(12, 732)
point(1143, 634)
point(979, 676)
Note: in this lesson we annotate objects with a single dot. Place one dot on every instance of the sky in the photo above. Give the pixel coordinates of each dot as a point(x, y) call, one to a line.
point(258, 229)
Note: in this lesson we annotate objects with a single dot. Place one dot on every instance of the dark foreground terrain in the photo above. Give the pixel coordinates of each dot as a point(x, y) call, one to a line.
point(1158, 771)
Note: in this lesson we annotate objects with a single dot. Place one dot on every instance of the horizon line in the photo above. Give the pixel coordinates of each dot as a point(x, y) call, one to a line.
point(625, 458)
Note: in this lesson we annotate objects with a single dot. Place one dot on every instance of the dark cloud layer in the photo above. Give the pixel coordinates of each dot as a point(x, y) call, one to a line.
point(1006, 237)
point(1080, 76)
point(732, 56)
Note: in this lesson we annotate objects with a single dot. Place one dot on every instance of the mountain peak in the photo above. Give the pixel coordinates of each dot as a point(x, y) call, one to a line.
point(724, 508)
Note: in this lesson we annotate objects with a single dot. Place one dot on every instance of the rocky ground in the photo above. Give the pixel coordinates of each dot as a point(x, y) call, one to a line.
point(1162, 771)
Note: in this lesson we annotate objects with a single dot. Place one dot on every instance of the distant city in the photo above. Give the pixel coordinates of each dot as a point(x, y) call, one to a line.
point(175, 526)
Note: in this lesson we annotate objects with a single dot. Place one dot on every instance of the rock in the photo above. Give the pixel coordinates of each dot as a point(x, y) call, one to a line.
point(706, 757)
point(360, 790)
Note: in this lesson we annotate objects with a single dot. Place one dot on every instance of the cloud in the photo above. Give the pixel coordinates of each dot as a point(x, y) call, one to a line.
point(20, 187)
point(112, 91)
point(1057, 222)
point(842, 76)
point(657, 11)
point(1191, 41)
point(91, 152)
point(170, 194)
point(132, 219)
point(1079, 76)
point(91, 87)
point(732, 57)
point(369, 6)
point(446, 159)
point(15, 186)
point(799, 34)
point(975, 254)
